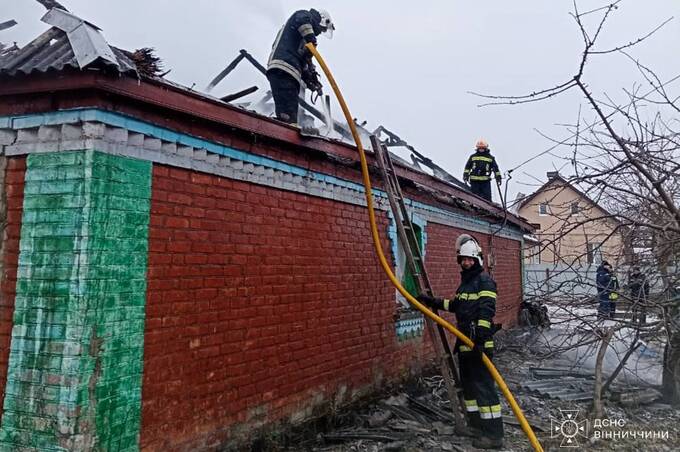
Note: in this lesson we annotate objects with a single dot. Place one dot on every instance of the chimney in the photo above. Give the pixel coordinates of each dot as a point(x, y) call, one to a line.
point(552, 174)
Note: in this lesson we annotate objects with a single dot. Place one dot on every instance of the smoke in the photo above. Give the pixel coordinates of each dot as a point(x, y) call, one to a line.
point(272, 13)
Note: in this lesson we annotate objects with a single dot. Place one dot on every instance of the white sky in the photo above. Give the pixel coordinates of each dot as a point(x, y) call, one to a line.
point(403, 64)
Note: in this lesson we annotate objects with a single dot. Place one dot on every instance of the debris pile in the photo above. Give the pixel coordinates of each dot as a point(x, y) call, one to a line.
point(568, 384)
point(416, 416)
point(398, 419)
point(147, 62)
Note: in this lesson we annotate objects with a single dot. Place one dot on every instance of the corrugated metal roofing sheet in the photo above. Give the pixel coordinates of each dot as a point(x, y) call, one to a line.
point(52, 51)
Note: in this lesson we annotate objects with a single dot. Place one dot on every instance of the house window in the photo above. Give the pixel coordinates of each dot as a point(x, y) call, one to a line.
point(401, 268)
point(408, 280)
point(575, 208)
point(408, 323)
point(594, 252)
point(543, 208)
point(535, 254)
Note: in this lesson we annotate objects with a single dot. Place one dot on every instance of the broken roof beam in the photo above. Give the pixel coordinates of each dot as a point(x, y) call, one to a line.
point(7, 24)
point(338, 127)
point(227, 70)
point(50, 4)
point(231, 97)
point(393, 140)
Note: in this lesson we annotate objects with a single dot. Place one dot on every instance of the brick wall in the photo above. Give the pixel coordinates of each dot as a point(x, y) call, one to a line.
point(262, 305)
point(265, 305)
point(445, 272)
point(12, 199)
point(259, 300)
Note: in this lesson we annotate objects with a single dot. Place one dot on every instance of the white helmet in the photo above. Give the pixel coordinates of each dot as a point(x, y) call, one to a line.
point(467, 246)
point(326, 24)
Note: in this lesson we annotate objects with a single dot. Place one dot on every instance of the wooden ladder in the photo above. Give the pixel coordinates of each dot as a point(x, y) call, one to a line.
point(414, 258)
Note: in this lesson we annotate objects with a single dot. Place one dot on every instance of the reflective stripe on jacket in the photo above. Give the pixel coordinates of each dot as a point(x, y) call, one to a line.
point(288, 48)
point(475, 302)
point(607, 285)
point(481, 166)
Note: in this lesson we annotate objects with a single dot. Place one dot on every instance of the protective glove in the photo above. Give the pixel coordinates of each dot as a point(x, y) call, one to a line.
point(499, 180)
point(466, 179)
point(311, 78)
point(430, 302)
point(316, 87)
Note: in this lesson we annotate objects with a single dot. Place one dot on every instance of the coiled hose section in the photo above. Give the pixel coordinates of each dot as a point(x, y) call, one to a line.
point(388, 271)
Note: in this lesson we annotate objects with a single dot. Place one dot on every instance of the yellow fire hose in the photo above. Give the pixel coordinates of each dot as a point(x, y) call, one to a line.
point(385, 265)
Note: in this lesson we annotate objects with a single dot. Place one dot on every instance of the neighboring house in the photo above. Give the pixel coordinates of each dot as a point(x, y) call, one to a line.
point(179, 273)
point(573, 229)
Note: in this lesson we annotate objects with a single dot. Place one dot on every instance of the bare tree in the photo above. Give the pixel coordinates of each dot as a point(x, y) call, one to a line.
point(625, 161)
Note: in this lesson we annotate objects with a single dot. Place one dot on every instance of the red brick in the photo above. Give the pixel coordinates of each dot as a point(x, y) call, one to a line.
point(14, 190)
point(174, 222)
point(180, 198)
point(267, 297)
point(179, 174)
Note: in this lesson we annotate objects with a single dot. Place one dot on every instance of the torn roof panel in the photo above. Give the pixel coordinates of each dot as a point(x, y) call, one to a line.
point(53, 51)
point(71, 42)
point(65, 20)
point(86, 40)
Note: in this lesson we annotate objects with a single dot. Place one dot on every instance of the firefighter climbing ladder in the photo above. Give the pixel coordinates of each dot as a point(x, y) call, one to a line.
point(414, 258)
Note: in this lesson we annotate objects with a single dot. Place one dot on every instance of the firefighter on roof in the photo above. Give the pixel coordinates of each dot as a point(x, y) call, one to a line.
point(290, 62)
point(480, 168)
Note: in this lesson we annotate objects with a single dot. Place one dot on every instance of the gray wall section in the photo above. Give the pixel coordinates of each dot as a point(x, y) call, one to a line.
point(73, 130)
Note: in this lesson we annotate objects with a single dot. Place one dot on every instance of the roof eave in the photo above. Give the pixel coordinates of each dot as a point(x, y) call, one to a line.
point(156, 92)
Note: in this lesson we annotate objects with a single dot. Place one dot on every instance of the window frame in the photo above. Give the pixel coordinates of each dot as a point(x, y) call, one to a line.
point(535, 254)
point(594, 252)
point(575, 208)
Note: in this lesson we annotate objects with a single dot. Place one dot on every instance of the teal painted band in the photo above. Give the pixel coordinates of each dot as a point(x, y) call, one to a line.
point(135, 125)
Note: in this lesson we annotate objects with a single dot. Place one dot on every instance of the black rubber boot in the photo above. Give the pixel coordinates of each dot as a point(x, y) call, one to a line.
point(465, 430)
point(309, 131)
point(485, 442)
point(284, 117)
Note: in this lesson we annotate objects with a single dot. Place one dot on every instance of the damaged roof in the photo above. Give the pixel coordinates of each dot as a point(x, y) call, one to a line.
point(70, 43)
point(75, 44)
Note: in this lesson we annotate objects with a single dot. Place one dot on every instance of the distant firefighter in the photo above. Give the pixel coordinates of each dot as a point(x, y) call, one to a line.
point(480, 168)
point(607, 291)
point(638, 286)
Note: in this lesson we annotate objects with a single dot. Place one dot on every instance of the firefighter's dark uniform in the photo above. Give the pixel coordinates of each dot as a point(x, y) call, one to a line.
point(480, 168)
point(289, 61)
point(475, 307)
point(607, 292)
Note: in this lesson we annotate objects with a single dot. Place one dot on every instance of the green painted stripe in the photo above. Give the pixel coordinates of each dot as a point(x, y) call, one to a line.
point(75, 366)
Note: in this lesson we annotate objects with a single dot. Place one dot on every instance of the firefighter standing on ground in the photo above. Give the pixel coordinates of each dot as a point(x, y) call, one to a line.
point(479, 169)
point(607, 290)
point(475, 307)
point(290, 62)
point(638, 286)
